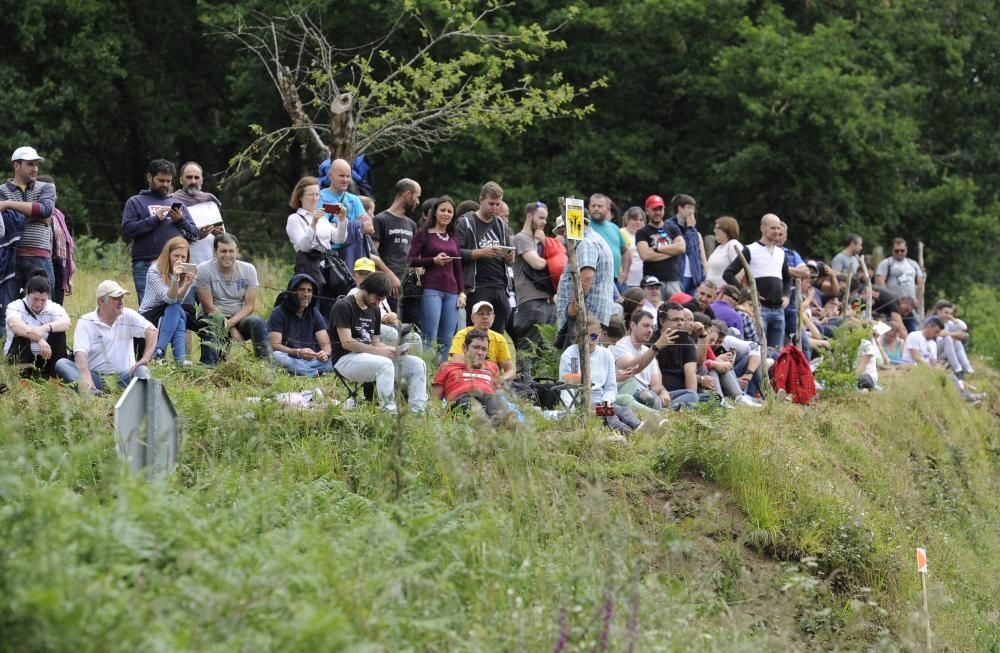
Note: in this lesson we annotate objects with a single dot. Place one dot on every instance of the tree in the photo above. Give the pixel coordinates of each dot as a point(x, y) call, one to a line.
point(466, 69)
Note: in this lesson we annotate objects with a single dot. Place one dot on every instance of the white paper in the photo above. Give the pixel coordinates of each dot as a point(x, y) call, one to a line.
point(205, 214)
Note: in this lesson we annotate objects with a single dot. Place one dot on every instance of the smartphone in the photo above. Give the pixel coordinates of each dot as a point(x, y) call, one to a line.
point(176, 206)
point(683, 333)
point(505, 248)
point(190, 268)
point(333, 209)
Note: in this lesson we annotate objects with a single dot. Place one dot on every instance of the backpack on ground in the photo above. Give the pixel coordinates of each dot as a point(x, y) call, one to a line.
point(791, 373)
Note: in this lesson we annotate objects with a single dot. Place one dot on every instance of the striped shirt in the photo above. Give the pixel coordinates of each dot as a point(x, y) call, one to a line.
point(37, 236)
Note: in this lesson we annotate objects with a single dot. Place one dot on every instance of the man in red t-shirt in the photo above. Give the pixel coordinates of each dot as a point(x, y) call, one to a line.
point(472, 378)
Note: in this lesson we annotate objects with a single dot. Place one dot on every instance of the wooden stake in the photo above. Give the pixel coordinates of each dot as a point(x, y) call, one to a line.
point(765, 381)
point(582, 341)
point(923, 284)
point(868, 289)
point(927, 614)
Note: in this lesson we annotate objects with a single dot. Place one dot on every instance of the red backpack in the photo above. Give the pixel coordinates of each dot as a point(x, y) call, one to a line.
point(791, 373)
point(555, 256)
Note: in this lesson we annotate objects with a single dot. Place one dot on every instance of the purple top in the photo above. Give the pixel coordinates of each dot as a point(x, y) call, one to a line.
point(443, 278)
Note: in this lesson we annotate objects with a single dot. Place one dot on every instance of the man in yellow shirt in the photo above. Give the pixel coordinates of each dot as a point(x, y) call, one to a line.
point(499, 352)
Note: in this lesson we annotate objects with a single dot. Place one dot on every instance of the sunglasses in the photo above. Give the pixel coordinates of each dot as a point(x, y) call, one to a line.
point(899, 251)
point(540, 205)
point(594, 337)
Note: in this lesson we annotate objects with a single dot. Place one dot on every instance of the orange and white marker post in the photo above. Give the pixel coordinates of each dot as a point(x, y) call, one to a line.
point(922, 570)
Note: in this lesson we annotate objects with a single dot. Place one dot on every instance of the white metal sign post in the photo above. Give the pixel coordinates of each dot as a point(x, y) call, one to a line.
point(146, 428)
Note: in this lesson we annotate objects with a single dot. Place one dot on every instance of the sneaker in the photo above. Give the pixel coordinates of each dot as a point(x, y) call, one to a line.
point(744, 400)
point(185, 363)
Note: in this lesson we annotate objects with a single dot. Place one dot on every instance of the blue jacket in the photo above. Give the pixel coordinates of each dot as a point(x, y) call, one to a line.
point(10, 233)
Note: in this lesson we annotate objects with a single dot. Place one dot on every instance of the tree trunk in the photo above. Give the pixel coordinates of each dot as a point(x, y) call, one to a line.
point(342, 128)
point(765, 380)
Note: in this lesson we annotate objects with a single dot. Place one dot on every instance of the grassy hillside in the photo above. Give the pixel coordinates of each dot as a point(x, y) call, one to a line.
point(789, 528)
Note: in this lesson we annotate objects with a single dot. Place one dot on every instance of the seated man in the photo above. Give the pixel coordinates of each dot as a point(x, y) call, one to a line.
point(679, 362)
point(358, 352)
point(920, 348)
point(391, 325)
point(603, 383)
point(102, 343)
point(631, 353)
point(482, 319)
point(36, 329)
point(461, 382)
point(298, 332)
point(951, 343)
point(734, 369)
point(227, 291)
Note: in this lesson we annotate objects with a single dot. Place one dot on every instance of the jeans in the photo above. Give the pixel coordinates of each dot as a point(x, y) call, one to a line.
point(953, 351)
point(366, 368)
point(688, 285)
point(911, 323)
point(172, 326)
point(774, 326)
point(302, 367)
point(70, 373)
point(683, 397)
point(139, 270)
point(439, 317)
point(25, 264)
point(669, 289)
point(740, 368)
point(214, 341)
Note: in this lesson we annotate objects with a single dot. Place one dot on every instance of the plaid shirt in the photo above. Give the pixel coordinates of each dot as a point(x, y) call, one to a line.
point(592, 252)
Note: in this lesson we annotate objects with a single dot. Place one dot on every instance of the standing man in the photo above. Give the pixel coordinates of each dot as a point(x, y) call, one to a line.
point(692, 267)
point(769, 268)
point(151, 218)
point(189, 194)
point(799, 272)
point(486, 252)
point(661, 246)
point(394, 230)
point(600, 221)
point(532, 285)
point(593, 257)
point(102, 343)
point(347, 205)
point(847, 260)
point(901, 275)
point(35, 200)
point(227, 291)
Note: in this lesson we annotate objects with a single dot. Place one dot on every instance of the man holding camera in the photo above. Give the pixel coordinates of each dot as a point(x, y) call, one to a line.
point(151, 218)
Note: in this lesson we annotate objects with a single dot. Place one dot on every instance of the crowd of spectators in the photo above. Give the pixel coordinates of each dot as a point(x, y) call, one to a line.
point(376, 298)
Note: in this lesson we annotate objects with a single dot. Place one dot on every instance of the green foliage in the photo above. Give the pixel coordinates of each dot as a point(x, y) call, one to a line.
point(838, 372)
point(979, 306)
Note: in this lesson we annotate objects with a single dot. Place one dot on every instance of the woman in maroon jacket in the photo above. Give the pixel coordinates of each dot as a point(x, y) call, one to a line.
point(436, 249)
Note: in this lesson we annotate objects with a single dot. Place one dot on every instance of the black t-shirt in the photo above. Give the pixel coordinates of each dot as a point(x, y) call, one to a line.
point(887, 303)
point(297, 332)
point(492, 270)
point(363, 323)
point(394, 235)
point(672, 358)
point(695, 308)
point(668, 269)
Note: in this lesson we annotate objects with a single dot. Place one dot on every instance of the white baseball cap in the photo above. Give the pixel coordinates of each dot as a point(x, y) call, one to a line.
point(479, 305)
point(25, 154)
point(109, 288)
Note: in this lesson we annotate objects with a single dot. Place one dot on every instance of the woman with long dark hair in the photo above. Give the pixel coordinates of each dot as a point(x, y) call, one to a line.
point(436, 249)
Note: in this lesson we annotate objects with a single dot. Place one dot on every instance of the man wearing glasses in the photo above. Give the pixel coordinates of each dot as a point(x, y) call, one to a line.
point(297, 330)
point(679, 361)
point(901, 275)
point(358, 353)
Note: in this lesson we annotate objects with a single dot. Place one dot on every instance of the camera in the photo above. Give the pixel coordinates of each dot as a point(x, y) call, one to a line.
point(605, 410)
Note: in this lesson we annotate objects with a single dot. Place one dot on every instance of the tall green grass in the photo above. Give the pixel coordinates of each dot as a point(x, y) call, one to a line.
point(790, 528)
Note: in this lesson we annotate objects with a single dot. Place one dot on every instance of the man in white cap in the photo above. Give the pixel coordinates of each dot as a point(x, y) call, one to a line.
point(102, 343)
point(35, 200)
point(499, 352)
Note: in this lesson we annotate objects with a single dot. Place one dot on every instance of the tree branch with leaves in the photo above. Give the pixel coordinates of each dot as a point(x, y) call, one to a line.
point(467, 69)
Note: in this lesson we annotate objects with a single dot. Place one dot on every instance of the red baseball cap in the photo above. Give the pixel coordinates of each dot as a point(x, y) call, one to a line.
point(654, 201)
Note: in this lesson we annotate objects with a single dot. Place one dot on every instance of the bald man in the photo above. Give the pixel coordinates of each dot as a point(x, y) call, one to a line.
point(347, 204)
point(769, 268)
